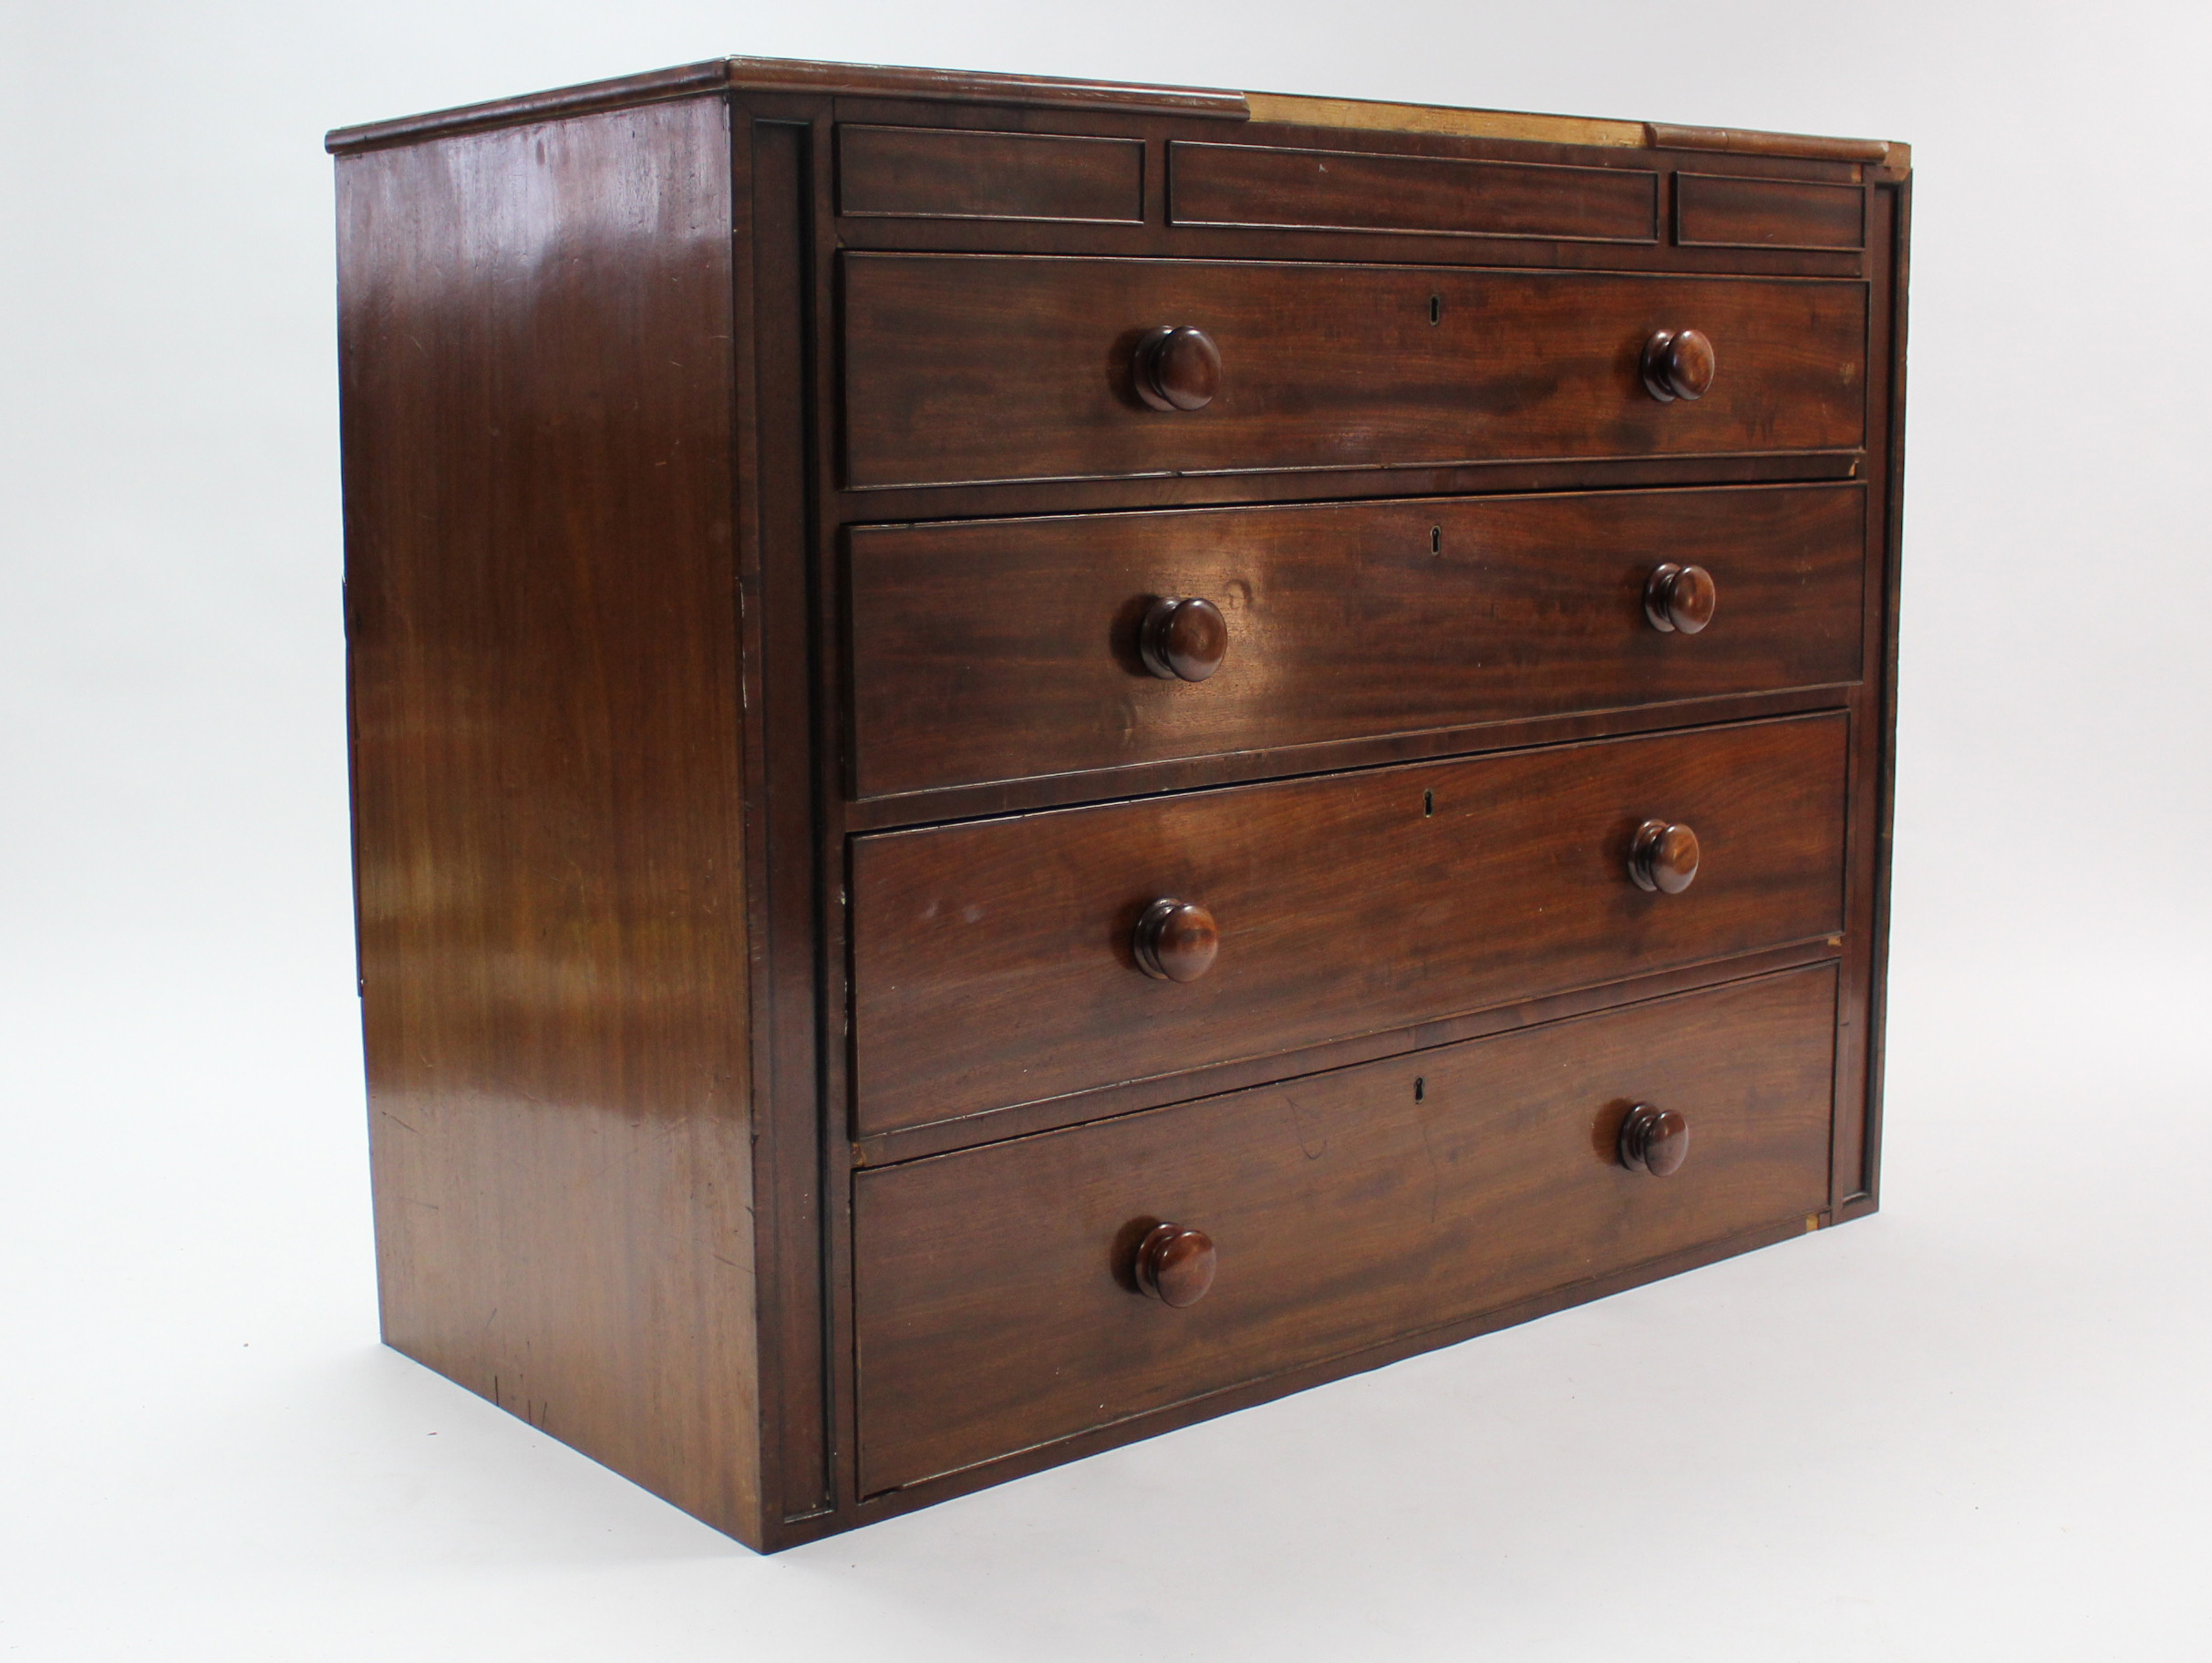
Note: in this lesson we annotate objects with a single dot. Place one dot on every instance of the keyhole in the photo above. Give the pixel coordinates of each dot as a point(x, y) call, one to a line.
point(1436, 308)
point(1428, 803)
point(1436, 540)
point(1420, 1089)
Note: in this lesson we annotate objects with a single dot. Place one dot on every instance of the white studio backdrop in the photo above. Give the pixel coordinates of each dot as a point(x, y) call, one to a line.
point(1970, 1425)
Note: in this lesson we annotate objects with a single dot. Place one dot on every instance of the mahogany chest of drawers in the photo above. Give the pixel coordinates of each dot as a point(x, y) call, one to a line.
point(1034, 760)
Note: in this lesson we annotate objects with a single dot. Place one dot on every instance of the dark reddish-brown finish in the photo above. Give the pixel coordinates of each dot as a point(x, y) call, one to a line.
point(547, 792)
point(1679, 600)
point(1176, 368)
point(974, 367)
point(793, 1196)
point(905, 173)
point(1183, 639)
point(929, 90)
point(1242, 184)
point(1746, 141)
point(1175, 1264)
point(1175, 941)
point(770, 83)
point(1679, 364)
point(991, 963)
point(1654, 1141)
point(1351, 1209)
point(1663, 858)
point(753, 513)
point(1715, 211)
point(1346, 621)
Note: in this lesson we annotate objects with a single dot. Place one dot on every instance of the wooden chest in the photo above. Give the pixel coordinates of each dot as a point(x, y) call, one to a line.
point(1034, 760)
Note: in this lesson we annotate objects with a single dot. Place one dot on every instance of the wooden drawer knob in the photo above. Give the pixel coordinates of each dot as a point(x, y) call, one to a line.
point(1664, 857)
point(1678, 364)
point(1175, 1264)
point(1183, 640)
point(1176, 941)
point(1654, 1141)
point(1177, 370)
point(1680, 599)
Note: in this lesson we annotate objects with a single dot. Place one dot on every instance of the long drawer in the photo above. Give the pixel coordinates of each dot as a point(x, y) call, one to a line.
point(977, 367)
point(992, 961)
point(1004, 649)
point(996, 1308)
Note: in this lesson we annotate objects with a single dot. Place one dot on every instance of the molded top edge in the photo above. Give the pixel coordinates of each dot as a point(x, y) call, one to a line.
point(869, 80)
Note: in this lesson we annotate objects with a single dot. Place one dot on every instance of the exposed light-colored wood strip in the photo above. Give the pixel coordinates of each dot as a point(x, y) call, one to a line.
point(1361, 113)
point(1427, 118)
point(871, 80)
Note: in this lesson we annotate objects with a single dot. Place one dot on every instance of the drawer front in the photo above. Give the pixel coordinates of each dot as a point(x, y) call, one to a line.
point(1713, 210)
point(1265, 185)
point(993, 962)
point(1005, 649)
point(913, 173)
point(974, 367)
point(996, 1307)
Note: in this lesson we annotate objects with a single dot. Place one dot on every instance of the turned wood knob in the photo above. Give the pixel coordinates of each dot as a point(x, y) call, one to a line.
point(1678, 364)
point(1183, 640)
point(1176, 941)
point(1664, 857)
point(1654, 1141)
point(1680, 598)
point(1175, 1264)
point(1178, 369)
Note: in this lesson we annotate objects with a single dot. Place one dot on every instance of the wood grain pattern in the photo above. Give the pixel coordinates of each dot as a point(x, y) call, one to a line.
point(624, 640)
point(978, 367)
point(795, 1193)
point(930, 86)
point(1159, 241)
point(1343, 1209)
point(953, 174)
point(992, 964)
point(1130, 1097)
point(1717, 211)
point(786, 76)
point(1243, 184)
point(618, 92)
point(1343, 621)
point(541, 583)
point(1750, 141)
point(775, 76)
point(1368, 115)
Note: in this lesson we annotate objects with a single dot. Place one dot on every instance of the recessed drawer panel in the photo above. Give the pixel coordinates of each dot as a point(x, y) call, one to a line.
point(1004, 649)
point(1243, 184)
point(999, 962)
point(973, 368)
point(1717, 211)
point(931, 173)
point(998, 1304)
